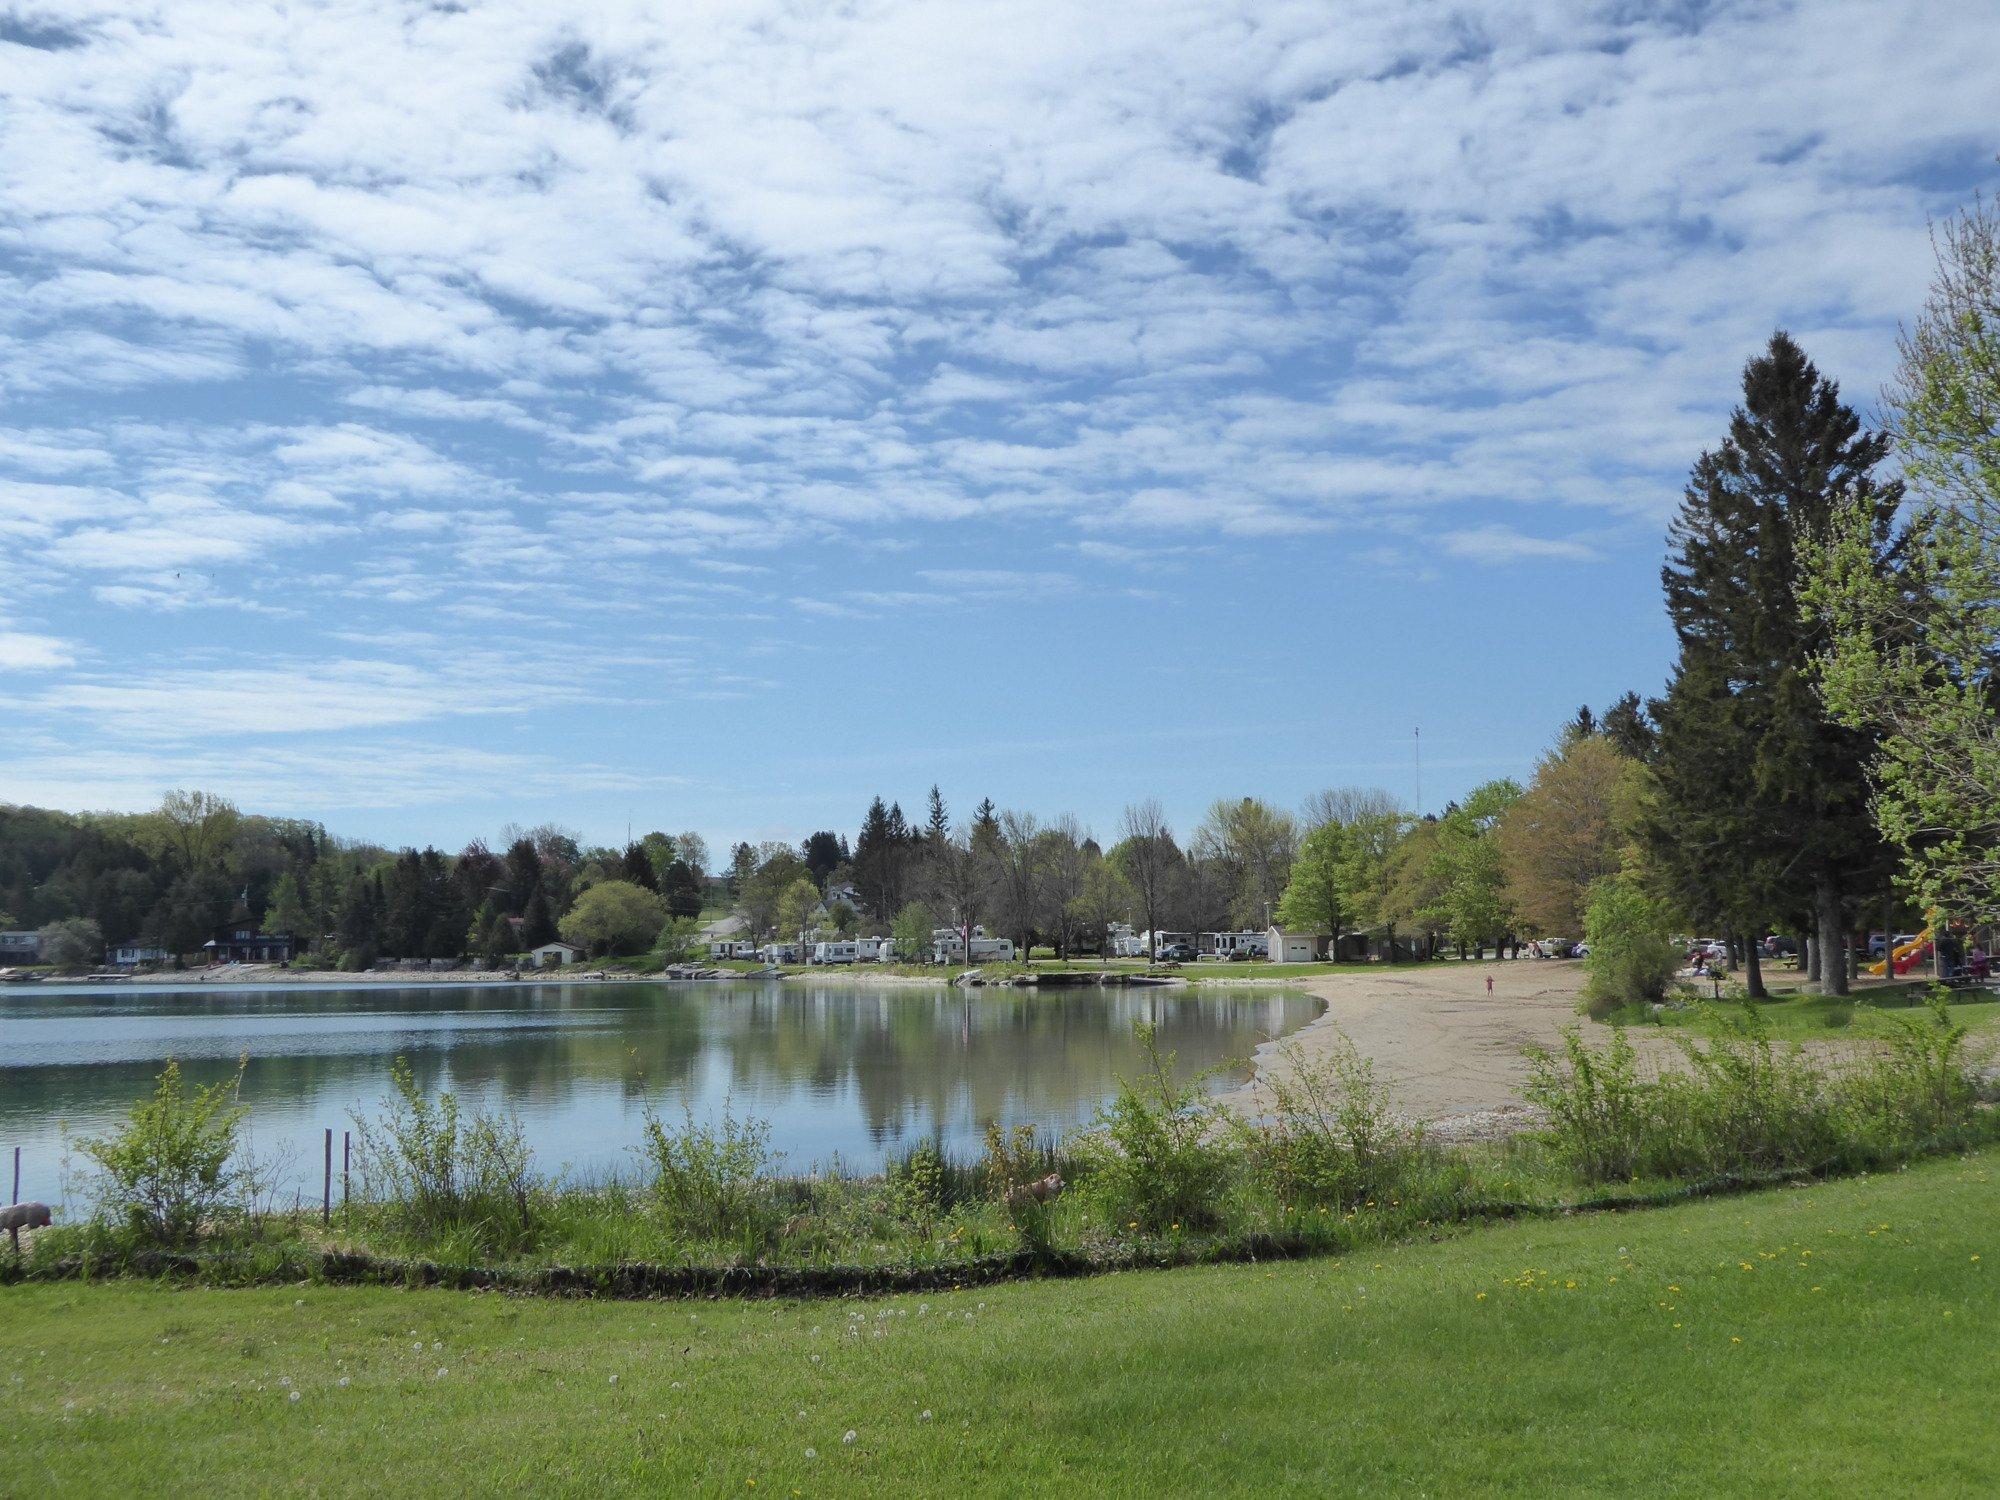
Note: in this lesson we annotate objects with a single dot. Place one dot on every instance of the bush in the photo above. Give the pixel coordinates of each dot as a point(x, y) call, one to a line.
point(709, 1182)
point(1333, 1138)
point(1743, 1103)
point(1158, 1162)
point(1920, 1088)
point(1599, 1120)
point(920, 1184)
point(1632, 956)
point(173, 1170)
point(439, 1172)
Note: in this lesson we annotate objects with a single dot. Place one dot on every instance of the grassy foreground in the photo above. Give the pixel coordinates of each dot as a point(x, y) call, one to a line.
point(1833, 1338)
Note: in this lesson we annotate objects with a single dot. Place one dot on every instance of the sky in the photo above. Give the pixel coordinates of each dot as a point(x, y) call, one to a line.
point(426, 417)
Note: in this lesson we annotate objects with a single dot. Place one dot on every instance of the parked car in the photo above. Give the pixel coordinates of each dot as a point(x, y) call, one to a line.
point(1178, 953)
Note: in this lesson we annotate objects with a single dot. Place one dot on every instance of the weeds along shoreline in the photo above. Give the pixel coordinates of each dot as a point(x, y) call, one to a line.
point(644, 1281)
point(450, 1197)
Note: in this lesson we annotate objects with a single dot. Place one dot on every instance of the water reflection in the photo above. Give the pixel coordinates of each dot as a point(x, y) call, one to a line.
point(839, 1071)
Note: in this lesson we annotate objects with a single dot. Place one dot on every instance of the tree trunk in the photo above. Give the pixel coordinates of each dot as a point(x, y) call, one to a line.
point(1753, 972)
point(1831, 940)
point(1809, 956)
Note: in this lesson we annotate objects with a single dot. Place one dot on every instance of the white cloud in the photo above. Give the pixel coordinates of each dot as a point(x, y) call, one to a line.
point(528, 323)
point(1503, 544)
point(25, 651)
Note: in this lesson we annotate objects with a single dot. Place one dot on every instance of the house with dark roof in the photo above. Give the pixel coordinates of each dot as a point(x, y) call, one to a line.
point(240, 942)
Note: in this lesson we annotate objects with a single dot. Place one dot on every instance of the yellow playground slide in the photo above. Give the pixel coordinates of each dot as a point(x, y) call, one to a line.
point(1905, 955)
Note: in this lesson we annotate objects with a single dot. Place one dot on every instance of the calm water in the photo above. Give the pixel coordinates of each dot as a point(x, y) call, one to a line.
point(839, 1070)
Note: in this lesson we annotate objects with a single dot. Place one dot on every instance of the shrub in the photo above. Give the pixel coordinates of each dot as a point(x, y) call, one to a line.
point(439, 1171)
point(1158, 1161)
point(1599, 1119)
point(919, 1184)
point(1333, 1138)
point(1920, 1087)
point(172, 1170)
point(709, 1181)
point(1632, 956)
point(1743, 1103)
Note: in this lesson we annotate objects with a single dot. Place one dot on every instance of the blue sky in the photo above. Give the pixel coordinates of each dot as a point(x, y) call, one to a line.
point(427, 417)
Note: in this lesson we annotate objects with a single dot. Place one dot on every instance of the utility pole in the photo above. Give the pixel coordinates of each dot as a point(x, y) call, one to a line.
point(1419, 737)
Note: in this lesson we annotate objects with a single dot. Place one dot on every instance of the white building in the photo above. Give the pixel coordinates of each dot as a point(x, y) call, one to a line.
point(1295, 947)
point(127, 954)
point(555, 955)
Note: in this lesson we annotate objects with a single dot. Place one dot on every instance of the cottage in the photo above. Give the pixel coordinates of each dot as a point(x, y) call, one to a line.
point(133, 952)
point(20, 947)
point(555, 955)
point(239, 942)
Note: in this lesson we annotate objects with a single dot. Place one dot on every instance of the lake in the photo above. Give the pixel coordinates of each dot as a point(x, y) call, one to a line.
point(847, 1071)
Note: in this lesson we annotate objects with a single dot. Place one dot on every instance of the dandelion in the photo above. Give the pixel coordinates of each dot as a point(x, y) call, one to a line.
point(812, 1453)
point(613, 1380)
point(343, 1382)
point(295, 1395)
point(442, 1372)
point(1479, 1297)
point(1734, 1339)
point(847, 1438)
point(925, 1414)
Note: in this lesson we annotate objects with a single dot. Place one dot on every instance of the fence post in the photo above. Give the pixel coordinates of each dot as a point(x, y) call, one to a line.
point(346, 1155)
point(17, 1176)
point(326, 1195)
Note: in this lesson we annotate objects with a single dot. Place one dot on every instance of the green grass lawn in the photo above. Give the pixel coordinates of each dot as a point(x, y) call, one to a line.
point(1830, 1339)
point(1795, 1016)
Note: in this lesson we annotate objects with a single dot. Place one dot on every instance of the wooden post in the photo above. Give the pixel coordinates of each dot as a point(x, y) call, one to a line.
point(17, 1176)
point(346, 1157)
point(326, 1193)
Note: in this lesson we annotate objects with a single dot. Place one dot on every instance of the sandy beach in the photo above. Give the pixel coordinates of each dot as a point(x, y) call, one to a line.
point(1453, 1055)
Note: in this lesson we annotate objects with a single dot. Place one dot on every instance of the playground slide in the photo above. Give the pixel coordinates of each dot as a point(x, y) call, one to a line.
point(1907, 956)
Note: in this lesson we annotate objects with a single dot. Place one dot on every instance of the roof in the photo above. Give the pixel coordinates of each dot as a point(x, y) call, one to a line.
point(557, 943)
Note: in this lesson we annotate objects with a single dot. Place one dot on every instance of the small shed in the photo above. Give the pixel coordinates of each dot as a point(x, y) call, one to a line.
point(1296, 947)
point(555, 955)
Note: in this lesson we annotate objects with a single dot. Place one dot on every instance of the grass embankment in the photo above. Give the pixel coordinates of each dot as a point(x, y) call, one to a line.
point(1828, 1339)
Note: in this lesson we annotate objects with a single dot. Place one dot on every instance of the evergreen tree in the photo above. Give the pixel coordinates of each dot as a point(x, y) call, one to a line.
point(1628, 729)
point(635, 866)
point(539, 923)
point(1763, 805)
point(875, 851)
point(937, 826)
point(823, 852)
point(524, 874)
point(681, 891)
point(496, 946)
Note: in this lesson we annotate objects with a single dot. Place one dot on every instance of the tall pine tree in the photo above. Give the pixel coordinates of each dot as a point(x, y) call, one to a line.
point(1763, 805)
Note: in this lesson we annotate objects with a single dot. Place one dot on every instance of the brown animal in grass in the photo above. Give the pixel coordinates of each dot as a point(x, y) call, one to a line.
point(1041, 1190)
point(24, 1216)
